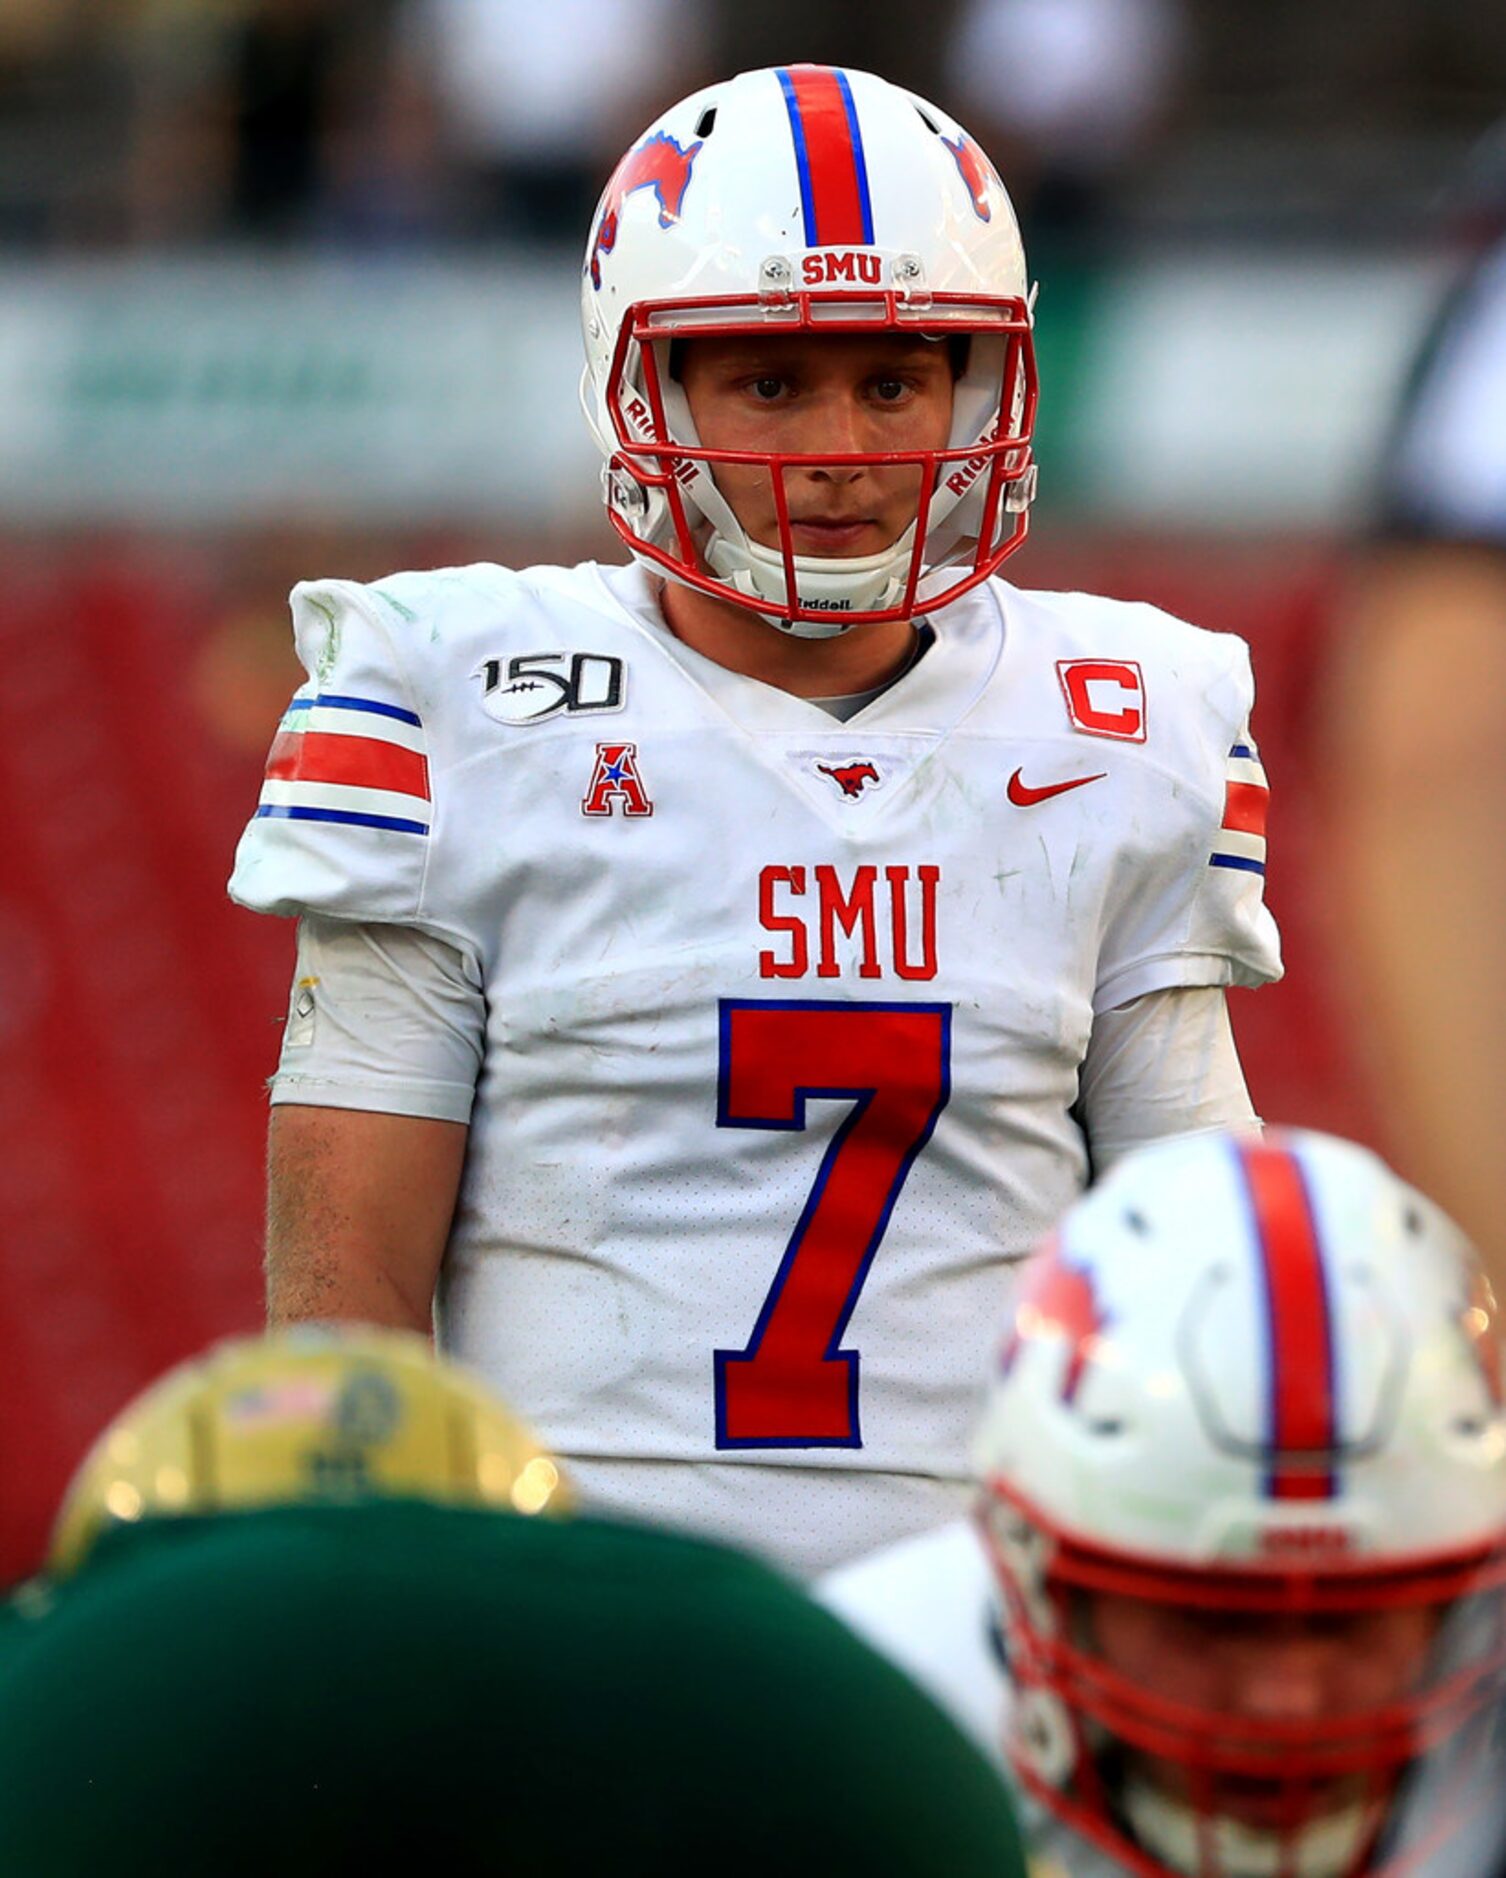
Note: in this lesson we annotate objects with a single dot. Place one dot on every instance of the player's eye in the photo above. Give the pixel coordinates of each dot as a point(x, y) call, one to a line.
point(890, 390)
point(766, 388)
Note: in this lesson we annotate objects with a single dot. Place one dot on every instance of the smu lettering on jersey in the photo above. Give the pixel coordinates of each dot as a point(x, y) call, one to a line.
point(785, 1015)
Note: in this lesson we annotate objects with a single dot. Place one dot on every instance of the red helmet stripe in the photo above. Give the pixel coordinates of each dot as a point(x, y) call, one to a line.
point(829, 155)
point(1303, 1415)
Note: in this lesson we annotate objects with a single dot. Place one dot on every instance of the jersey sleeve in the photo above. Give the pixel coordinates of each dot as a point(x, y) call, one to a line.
point(1165, 1065)
point(382, 1017)
point(343, 823)
point(1191, 909)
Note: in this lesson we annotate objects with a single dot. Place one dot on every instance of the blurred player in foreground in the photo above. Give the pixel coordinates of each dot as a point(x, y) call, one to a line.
point(716, 971)
point(1242, 1536)
point(1418, 785)
point(309, 1612)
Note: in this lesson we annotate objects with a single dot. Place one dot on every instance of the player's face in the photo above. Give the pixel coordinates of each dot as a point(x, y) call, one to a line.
point(802, 393)
point(1289, 1669)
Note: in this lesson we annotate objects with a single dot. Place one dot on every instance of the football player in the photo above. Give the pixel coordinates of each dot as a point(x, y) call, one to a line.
point(716, 971)
point(1241, 1540)
point(1417, 688)
point(293, 1622)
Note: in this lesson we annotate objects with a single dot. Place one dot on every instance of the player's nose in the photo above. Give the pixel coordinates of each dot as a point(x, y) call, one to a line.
point(837, 422)
point(1286, 1681)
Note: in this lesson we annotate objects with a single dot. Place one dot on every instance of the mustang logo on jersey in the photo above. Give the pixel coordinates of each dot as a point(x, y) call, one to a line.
point(615, 779)
point(527, 689)
point(852, 778)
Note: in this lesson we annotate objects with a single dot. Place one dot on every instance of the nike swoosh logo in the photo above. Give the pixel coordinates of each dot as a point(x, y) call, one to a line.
point(1022, 795)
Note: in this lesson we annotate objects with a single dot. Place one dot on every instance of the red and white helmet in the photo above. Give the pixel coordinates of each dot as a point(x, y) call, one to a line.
point(799, 199)
point(1248, 1375)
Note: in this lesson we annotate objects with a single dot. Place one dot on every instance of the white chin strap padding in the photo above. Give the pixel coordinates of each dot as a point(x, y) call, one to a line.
point(1323, 1848)
point(861, 583)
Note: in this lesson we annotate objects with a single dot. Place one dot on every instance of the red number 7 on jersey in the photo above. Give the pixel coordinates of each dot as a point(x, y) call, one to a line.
point(792, 1386)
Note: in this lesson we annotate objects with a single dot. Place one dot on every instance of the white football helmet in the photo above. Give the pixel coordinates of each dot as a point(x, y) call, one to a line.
point(792, 200)
point(1248, 1375)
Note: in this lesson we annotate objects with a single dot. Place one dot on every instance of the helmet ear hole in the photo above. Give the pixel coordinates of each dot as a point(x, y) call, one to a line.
point(1042, 1734)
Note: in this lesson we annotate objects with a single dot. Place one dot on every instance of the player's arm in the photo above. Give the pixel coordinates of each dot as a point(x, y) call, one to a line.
point(1416, 791)
point(358, 1211)
point(1165, 1064)
point(1415, 695)
point(371, 1103)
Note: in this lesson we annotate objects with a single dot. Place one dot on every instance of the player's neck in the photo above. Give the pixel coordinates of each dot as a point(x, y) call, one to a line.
point(860, 660)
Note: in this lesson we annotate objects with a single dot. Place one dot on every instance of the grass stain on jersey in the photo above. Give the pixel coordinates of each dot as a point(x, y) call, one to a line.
point(331, 652)
point(403, 612)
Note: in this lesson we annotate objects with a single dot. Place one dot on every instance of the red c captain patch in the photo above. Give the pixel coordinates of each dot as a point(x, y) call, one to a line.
point(1105, 697)
point(615, 779)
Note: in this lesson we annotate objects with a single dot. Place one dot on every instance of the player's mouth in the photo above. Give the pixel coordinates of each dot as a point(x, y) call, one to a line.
point(818, 535)
point(1266, 1805)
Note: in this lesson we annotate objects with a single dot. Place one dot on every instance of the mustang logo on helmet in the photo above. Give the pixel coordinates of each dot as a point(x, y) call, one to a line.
point(658, 163)
point(1056, 1299)
point(975, 171)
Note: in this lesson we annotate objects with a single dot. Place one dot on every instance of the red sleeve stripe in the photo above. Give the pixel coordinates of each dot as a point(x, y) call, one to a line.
point(1245, 807)
point(829, 156)
point(1303, 1391)
point(357, 762)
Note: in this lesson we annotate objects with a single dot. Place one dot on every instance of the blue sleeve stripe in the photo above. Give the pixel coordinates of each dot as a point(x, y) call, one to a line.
point(329, 701)
point(280, 812)
point(1244, 750)
point(1241, 861)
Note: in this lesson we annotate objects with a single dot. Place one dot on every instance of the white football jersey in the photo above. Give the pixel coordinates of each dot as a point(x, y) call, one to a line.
point(785, 1015)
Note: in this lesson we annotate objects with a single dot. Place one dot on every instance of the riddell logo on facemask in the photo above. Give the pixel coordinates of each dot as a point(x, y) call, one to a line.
point(824, 606)
point(683, 469)
point(960, 481)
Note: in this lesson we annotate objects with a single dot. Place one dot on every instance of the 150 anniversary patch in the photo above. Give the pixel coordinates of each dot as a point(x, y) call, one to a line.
point(534, 685)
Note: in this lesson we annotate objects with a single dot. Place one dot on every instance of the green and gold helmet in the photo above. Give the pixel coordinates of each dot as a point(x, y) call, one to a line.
point(318, 1413)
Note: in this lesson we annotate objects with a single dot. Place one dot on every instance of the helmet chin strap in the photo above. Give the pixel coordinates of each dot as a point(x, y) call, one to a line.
point(1324, 1848)
point(831, 585)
